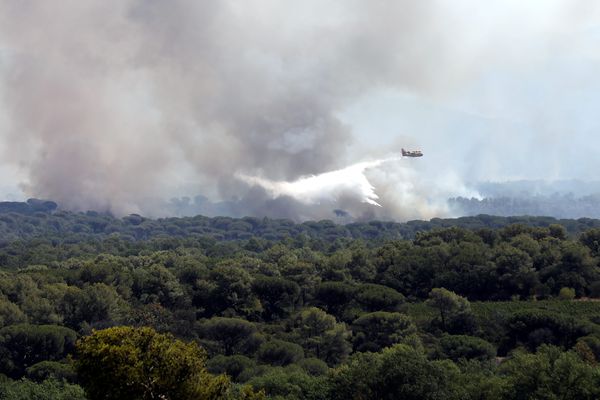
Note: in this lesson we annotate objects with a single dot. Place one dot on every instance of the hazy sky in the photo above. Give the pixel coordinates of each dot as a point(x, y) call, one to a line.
point(526, 106)
point(113, 104)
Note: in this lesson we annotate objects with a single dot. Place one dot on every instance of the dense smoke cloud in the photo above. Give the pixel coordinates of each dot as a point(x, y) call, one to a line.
point(111, 105)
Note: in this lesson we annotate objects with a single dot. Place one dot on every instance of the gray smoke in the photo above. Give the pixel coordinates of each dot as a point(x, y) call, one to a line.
point(112, 105)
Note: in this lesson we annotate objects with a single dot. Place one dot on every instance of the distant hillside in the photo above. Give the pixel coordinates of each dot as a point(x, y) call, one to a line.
point(557, 205)
point(41, 219)
point(559, 199)
point(29, 207)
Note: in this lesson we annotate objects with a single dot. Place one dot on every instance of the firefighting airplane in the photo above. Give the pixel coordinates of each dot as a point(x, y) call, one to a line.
point(415, 153)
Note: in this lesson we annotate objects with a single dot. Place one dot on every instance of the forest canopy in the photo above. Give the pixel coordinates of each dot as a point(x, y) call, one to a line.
point(472, 308)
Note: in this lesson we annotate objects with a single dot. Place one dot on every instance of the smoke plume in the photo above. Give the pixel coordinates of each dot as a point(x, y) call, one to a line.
point(112, 105)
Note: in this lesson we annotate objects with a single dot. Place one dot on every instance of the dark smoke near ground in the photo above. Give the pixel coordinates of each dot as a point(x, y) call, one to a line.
point(559, 199)
point(281, 207)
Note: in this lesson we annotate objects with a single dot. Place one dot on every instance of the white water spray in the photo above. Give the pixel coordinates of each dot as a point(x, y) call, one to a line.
point(349, 182)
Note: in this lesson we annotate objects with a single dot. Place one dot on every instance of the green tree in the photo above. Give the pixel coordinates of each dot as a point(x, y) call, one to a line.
point(449, 305)
point(290, 383)
point(566, 293)
point(277, 295)
point(468, 270)
point(334, 297)
point(377, 330)
point(50, 389)
point(233, 366)
point(23, 345)
point(398, 372)
point(93, 304)
point(110, 270)
point(456, 347)
point(374, 297)
point(592, 342)
point(139, 363)
point(232, 335)
point(576, 268)
point(51, 369)
point(591, 239)
point(10, 313)
point(516, 275)
point(228, 290)
point(557, 231)
point(321, 335)
point(279, 352)
point(313, 366)
point(536, 327)
point(550, 374)
point(156, 284)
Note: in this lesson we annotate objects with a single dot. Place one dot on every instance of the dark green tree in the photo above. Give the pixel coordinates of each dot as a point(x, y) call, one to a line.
point(279, 352)
point(454, 311)
point(321, 335)
point(23, 345)
point(377, 330)
point(550, 374)
point(456, 347)
point(231, 335)
point(398, 372)
point(277, 295)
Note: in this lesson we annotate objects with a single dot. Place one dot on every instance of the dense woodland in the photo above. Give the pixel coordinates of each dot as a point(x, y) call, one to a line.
point(97, 307)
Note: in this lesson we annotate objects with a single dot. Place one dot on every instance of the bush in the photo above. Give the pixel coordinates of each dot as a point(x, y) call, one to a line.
point(290, 383)
point(49, 389)
point(566, 293)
